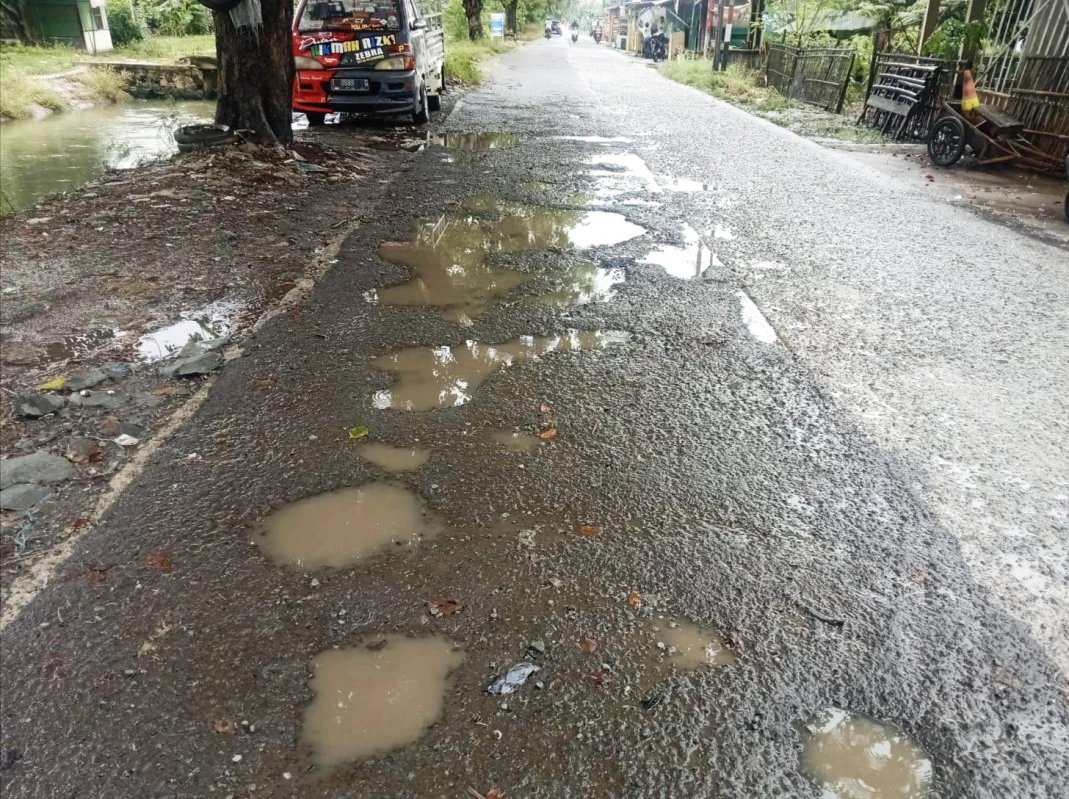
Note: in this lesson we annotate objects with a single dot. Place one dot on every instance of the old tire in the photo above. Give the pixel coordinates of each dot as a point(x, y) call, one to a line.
point(422, 114)
point(203, 136)
point(316, 119)
point(946, 141)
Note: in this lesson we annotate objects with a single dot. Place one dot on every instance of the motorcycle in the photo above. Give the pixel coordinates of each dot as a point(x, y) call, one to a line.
point(548, 33)
point(597, 35)
point(656, 47)
point(575, 36)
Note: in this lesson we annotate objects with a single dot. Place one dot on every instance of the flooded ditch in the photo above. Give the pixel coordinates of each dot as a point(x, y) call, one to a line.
point(65, 151)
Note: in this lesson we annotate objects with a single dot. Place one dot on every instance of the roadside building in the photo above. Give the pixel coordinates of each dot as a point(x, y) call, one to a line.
point(78, 23)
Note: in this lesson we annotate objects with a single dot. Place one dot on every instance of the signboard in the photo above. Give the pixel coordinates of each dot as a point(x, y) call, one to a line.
point(497, 24)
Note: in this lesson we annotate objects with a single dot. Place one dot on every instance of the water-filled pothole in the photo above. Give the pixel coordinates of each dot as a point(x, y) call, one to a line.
point(81, 344)
point(538, 227)
point(475, 141)
point(426, 378)
point(341, 527)
point(687, 646)
point(582, 284)
point(210, 322)
point(686, 262)
point(517, 442)
point(372, 699)
point(855, 757)
point(394, 459)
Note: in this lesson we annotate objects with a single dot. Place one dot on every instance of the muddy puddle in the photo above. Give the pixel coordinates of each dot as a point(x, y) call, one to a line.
point(426, 378)
point(582, 284)
point(854, 757)
point(371, 699)
point(213, 321)
point(81, 344)
point(451, 256)
point(341, 527)
point(475, 141)
point(686, 262)
point(683, 645)
point(394, 459)
point(596, 139)
point(755, 321)
point(517, 442)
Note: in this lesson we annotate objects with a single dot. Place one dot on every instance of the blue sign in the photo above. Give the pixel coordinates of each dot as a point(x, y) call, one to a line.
point(497, 24)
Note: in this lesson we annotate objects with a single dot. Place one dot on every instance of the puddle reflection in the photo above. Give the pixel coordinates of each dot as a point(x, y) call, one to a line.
point(426, 378)
point(212, 321)
point(582, 284)
point(854, 757)
point(686, 262)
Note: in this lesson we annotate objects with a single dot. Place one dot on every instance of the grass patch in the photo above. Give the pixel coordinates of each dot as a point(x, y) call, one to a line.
point(165, 48)
point(36, 59)
point(20, 93)
point(462, 58)
point(735, 84)
point(102, 83)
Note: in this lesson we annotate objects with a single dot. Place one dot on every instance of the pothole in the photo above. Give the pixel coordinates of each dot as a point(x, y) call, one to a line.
point(394, 459)
point(426, 378)
point(686, 262)
point(517, 442)
point(534, 227)
point(686, 646)
point(476, 141)
point(373, 699)
point(210, 322)
point(855, 757)
point(81, 344)
point(582, 284)
point(339, 528)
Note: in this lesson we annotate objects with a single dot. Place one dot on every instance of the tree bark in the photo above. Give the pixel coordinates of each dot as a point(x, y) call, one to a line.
point(256, 74)
point(473, 10)
point(510, 15)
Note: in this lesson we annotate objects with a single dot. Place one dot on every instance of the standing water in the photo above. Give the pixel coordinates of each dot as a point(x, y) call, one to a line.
point(65, 151)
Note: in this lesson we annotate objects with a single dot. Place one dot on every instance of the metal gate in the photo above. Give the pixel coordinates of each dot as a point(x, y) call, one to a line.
point(817, 76)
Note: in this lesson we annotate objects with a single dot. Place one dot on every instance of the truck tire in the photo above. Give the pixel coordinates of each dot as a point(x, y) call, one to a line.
point(316, 119)
point(422, 114)
point(434, 101)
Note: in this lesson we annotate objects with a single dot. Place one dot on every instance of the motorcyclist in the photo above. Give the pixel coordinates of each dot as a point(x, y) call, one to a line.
point(549, 28)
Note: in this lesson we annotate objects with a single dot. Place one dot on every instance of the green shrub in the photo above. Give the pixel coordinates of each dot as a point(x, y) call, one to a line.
point(125, 24)
point(102, 83)
point(175, 17)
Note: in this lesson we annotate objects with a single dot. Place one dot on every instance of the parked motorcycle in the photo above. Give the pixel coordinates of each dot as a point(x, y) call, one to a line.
point(655, 47)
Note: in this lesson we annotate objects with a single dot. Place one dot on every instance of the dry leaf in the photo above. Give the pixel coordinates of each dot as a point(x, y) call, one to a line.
point(495, 793)
point(599, 678)
point(588, 644)
point(163, 391)
point(224, 726)
point(550, 433)
point(544, 407)
point(264, 382)
point(634, 599)
point(590, 530)
point(375, 645)
point(159, 562)
point(445, 607)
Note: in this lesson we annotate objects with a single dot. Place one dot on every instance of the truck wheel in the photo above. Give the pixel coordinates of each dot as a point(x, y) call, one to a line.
point(434, 101)
point(316, 119)
point(422, 114)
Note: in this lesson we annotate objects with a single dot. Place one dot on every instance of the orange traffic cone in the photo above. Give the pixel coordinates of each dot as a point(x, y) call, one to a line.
point(969, 99)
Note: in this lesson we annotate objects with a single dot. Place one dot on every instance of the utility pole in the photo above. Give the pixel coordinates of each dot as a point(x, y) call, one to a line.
point(719, 56)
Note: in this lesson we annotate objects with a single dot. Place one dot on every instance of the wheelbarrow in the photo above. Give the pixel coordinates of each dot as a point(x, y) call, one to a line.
point(994, 136)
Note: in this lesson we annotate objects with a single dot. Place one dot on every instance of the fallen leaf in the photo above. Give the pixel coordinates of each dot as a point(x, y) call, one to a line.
point(495, 793)
point(163, 391)
point(445, 607)
point(159, 562)
point(544, 407)
point(224, 726)
point(264, 382)
point(375, 645)
point(634, 599)
point(599, 678)
point(591, 530)
point(91, 454)
point(588, 644)
point(556, 582)
point(54, 384)
point(549, 433)
point(357, 432)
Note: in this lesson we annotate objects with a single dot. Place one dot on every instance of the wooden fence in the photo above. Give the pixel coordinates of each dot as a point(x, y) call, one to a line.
point(817, 76)
point(747, 59)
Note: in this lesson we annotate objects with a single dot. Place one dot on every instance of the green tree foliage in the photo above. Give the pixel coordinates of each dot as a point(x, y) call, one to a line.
point(174, 17)
point(126, 26)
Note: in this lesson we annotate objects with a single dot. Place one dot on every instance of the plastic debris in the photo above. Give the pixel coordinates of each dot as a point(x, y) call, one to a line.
point(514, 678)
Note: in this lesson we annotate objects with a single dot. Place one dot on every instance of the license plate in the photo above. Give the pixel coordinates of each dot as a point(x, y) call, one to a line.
point(348, 85)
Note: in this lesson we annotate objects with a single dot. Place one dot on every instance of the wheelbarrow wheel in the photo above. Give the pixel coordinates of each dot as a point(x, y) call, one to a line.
point(946, 142)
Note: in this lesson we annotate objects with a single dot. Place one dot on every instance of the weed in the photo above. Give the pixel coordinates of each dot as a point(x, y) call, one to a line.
point(102, 83)
point(20, 94)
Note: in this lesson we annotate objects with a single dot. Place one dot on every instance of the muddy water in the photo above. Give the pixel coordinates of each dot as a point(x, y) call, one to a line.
point(204, 324)
point(533, 227)
point(341, 527)
point(65, 151)
point(476, 141)
point(76, 346)
point(686, 262)
point(371, 700)
point(517, 442)
point(582, 284)
point(854, 757)
point(686, 646)
point(426, 378)
point(394, 459)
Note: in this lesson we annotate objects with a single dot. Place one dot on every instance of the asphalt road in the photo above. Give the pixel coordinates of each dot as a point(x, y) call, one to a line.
point(856, 478)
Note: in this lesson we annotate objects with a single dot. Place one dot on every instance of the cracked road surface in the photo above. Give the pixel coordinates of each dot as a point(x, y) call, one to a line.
point(814, 431)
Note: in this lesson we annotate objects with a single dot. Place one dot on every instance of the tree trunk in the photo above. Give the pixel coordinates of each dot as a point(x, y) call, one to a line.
point(13, 14)
point(256, 74)
point(510, 15)
point(473, 10)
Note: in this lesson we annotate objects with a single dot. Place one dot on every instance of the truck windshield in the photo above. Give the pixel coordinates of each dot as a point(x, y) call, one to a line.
point(350, 15)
